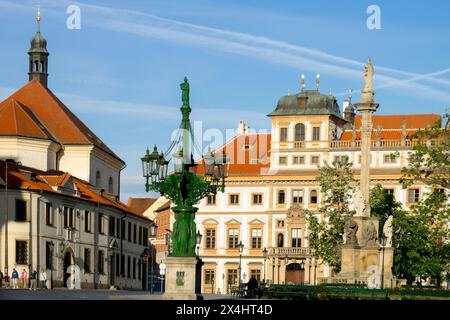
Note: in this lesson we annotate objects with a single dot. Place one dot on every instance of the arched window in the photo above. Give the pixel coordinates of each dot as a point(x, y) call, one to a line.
point(98, 180)
point(36, 66)
point(280, 240)
point(313, 196)
point(281, 197)
point(299, 132)
point(110, 185)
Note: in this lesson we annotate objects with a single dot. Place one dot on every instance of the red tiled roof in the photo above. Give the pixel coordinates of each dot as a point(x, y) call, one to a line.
point(18, 120)
point(139, 205)
point(242, 151)
point(19, 178)
point(60, 121)
point(395, 121)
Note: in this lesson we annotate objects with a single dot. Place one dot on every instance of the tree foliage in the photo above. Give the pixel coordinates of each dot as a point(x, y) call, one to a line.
point(325, 233)
point(422, 234)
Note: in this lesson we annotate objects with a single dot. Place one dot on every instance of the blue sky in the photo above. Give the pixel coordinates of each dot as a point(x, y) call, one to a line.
point(120, 73)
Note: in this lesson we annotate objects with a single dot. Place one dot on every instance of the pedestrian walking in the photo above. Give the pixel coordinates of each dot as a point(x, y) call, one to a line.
point(15, 279)
point(33, 277)
point(43, 279)
point(6, 278)
point(24, 277)
point(1, 279)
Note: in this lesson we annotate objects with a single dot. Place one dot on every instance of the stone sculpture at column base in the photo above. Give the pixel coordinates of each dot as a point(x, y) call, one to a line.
point(181, 279)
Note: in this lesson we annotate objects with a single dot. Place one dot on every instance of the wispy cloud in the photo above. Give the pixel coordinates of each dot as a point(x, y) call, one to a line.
point(259, 47)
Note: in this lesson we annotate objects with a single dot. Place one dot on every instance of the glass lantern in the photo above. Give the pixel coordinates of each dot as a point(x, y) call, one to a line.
point(163, 165)
point(178, 161)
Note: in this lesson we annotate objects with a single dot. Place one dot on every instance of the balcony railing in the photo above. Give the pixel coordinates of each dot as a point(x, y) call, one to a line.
point(386, 143)
point(290, 251)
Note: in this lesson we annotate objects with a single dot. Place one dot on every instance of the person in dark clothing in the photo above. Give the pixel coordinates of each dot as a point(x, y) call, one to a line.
point(1, 279)
point(252, 288)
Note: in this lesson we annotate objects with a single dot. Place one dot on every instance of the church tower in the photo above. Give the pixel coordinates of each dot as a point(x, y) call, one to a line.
point(38, 56)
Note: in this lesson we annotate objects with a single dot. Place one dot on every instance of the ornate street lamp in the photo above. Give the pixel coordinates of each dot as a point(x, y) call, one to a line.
point(184, 187)
point(241, 249)
point(51, 247)
point(144, 258)
point(199, 240)
point(383, 239)
point(265, 252)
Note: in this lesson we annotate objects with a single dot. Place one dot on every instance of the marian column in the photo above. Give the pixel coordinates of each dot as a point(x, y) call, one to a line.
point(367, 107)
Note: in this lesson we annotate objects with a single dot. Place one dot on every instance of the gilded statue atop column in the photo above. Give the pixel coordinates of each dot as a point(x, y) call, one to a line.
point(367, 94)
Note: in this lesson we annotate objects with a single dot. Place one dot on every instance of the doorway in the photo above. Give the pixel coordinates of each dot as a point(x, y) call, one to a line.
point(295, 274)
point(69, 261)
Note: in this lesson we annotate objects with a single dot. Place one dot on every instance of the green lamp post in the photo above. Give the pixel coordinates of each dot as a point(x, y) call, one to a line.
point(183, 186)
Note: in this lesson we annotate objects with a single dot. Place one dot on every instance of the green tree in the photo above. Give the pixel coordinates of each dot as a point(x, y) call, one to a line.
point(422, 234)
point(325, 234)
point(383, 205)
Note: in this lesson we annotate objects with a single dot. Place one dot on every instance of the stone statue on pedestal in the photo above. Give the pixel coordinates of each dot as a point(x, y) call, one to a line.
point(350, 229)
point(370, 236)
point(360, 204)
point(367, 94)
point(387, 231)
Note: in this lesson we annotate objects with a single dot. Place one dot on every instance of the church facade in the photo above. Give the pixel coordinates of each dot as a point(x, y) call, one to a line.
point(272, 181)
point(59, 193)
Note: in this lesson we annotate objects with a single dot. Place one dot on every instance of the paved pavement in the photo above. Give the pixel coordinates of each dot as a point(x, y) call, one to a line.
point(85, 294)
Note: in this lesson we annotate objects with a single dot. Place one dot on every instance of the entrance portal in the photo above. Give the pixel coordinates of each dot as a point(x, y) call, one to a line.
point(68, 262)
point(295, 274)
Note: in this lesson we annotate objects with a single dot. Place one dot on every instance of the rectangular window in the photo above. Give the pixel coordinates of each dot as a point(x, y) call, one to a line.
point(281, 197)
point(282, 160)
point(316, 134)
point(21, 210)
point(21, 252)
point(87, 260)
point(117, 265)
point(87, 221)
point(340, 158)
point(390, 191)
point(280, 223)
point(112, 226)
point(255, 273)
point(297, 196)
point(234, 199)
point(129, 231)
point(101, 262)
point(283, 134)
point(413, 195)
point(257, 199)
point(390, 158)
point(69, 218)
point(232, 277)
point(101, 224)
point(296, 239)
point(134, 268)
point(210, 242)
point(144, 236)
point(140, 235)
point(211, 200)
point(129, 267)
point(315, 159)
point(134, 233)
point(48, 214)
point(48, 255)
point(256, 238)
point(118, 228)
point(233, 238)
point(122, 230)
point(209, 276)
point(298, 160)
point(122, 265)
point(313, 197)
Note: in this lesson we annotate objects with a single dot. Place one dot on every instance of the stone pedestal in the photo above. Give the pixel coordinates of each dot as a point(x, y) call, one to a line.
point(181, 279)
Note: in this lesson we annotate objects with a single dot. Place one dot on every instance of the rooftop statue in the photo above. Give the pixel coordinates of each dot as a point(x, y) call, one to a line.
point(185, 92)
point(367, 95)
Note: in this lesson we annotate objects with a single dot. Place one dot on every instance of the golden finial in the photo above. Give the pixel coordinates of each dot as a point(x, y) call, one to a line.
point(38, 15)
point(303, 82)
point(317, 81)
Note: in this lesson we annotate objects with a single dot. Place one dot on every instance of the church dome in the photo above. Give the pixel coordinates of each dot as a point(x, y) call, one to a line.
point(38, 43)
point(307, 102)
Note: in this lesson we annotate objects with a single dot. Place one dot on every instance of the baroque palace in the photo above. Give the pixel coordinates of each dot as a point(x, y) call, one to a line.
point(59, 193)
point(272, 180)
